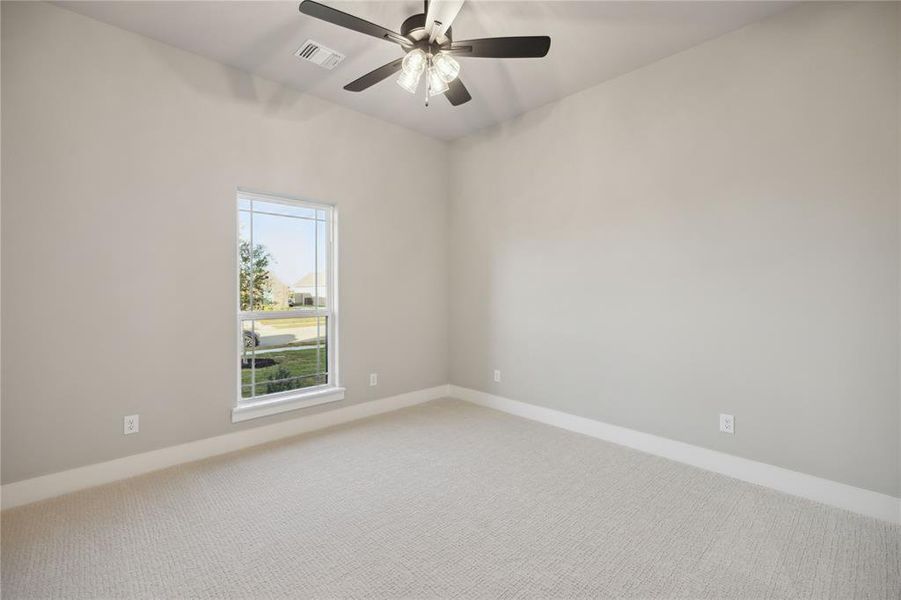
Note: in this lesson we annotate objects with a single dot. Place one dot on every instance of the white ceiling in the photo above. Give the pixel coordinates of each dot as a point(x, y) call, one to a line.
point(591, 42)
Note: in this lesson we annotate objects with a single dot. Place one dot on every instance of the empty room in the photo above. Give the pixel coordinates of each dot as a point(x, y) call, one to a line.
point(450, 299)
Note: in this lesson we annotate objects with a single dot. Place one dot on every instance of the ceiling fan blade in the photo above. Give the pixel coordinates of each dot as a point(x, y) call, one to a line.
point(457, 92)
point(532, 46)
point(342, 19)
point(439, 16)
point(373, 77)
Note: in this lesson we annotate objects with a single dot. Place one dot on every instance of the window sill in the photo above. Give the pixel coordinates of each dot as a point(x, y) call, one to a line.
point(265, 408)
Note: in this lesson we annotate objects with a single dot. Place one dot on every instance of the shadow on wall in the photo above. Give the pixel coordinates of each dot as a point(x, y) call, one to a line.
point(478, 113)
point(274, 99)
point(494, 22)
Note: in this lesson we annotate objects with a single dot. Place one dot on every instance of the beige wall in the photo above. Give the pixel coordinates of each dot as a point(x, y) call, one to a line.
point(120, 161)
point(716, 232)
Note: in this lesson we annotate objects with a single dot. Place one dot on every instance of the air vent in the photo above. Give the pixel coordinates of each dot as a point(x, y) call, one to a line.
point(318, 54)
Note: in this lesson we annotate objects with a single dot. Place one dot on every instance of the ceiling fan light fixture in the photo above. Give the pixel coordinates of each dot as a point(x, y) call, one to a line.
point(428, 46)
point(437, 84)
point(409, 80)
point(414, 61)
point(448, 68)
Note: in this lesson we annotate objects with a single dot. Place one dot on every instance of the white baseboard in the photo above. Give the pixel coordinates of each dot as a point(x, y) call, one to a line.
point(833, 493)
point(865, 502)
point(57, 484)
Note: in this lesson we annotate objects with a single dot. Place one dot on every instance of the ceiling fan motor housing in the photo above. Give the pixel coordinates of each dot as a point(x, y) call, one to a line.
point(413, 28)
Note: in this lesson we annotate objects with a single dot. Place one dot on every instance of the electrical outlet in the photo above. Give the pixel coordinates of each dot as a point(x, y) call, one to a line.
point(373, 379)
point(727, 423)
point(132, 424)
point(497, 376)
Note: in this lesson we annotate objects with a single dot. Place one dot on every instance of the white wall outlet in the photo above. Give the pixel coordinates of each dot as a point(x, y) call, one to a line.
point(497, 375)
point(132, 424)
point(373, 379)
point(727, 423)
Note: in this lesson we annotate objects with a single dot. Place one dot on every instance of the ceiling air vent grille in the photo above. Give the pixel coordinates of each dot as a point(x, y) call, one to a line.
point(318, 54)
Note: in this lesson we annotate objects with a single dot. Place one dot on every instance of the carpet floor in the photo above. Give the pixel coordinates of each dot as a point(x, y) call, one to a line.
point(443, 500)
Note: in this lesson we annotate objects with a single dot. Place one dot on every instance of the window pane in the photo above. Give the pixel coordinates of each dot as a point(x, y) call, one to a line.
point(285, 261)
point(322, 264)
point(283, 354)
point(245, 262)
point(249, 343)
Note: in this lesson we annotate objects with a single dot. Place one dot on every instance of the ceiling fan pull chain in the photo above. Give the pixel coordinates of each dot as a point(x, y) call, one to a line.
point(428, 83)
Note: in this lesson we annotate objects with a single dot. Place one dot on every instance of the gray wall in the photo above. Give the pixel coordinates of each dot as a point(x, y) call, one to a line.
point(716, 232)
point(120, 159)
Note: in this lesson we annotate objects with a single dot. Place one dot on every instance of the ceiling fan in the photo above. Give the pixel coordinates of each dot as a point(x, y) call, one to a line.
point(427, 40)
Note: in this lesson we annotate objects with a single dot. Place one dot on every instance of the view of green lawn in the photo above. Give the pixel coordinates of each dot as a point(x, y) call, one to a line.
point(283, 370)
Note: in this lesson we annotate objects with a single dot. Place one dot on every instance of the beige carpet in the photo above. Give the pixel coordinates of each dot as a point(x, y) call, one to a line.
point(443, 500)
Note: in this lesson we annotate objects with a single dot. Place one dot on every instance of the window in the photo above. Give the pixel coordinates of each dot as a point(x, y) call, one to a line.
point(286, 305)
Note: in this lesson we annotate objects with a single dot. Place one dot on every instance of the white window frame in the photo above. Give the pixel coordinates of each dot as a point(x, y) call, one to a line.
point(331, 391)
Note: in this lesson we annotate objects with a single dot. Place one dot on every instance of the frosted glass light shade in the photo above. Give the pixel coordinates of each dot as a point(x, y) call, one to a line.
point(437, 85)
point(409, 80)
point(414, 61)
point(447, 66)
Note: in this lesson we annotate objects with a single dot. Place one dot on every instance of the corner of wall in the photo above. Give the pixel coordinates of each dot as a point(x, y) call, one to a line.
point(898, 180)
